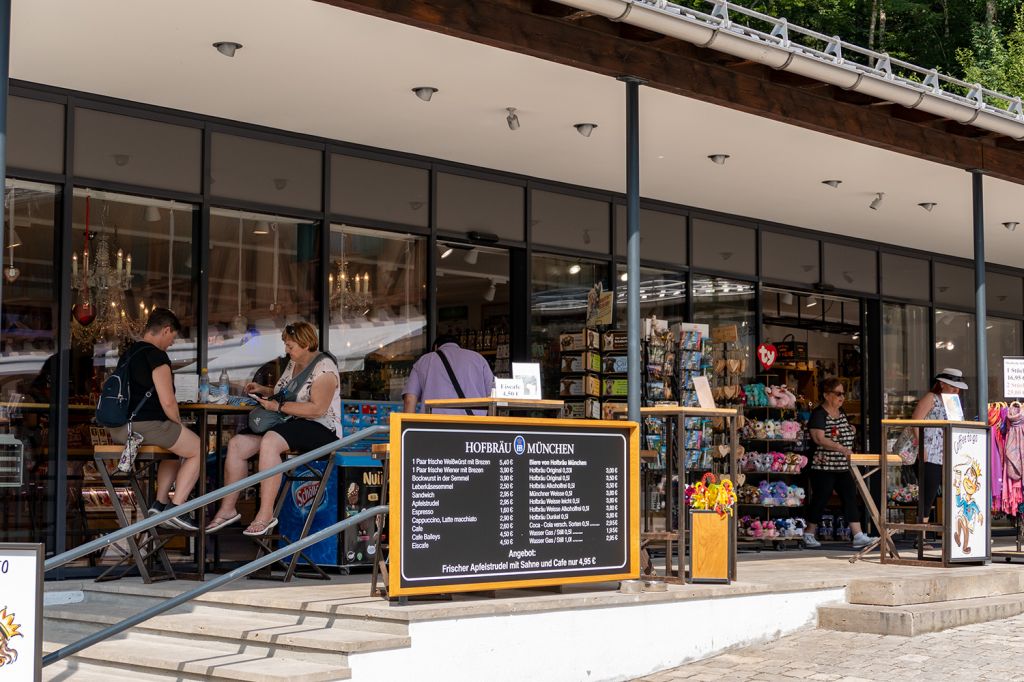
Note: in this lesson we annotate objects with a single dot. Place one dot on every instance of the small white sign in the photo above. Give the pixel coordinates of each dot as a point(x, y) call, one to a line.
point(508, 388)
point(186, 388)
point(1013, 377)
point(529, 374)
point(704, 397)
point(954, 409)
point(21, 612)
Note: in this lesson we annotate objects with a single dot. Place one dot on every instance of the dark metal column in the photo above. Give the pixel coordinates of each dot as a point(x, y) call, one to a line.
point(633, 241)
point(980, 319)
point(5, 74)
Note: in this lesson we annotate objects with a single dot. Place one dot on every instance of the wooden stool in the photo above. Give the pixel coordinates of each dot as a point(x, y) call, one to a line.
point(304, 474)
point(872, 464)
point(148, 546)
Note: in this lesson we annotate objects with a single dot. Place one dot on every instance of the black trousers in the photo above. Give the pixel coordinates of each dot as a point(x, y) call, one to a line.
point(822, 485)
point(930, 489)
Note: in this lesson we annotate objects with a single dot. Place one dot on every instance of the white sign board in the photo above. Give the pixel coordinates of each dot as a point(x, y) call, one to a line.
point(529, 374)
point(967, 508)
point(21, 612)
point(954, 408)
point(508, 388)
point(704, 396)
point(1013, 377)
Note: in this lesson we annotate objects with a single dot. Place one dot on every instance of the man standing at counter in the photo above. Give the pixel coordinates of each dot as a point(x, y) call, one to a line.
point(448, 372)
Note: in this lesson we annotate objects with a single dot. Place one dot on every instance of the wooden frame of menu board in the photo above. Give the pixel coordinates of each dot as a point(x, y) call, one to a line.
point(485, 503)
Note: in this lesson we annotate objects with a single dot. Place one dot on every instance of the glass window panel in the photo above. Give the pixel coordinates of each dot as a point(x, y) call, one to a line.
point(662, 235)
point(847, 267)
point(263, 275)
point(662, 294)
point(955, 347)
point(35, 135)
point(136, 151)
point(378, 304)
point(724, 247)
point(1003, 338)
point(720, 302)
point(473, 302)
point(366, 188)
point(559, 304)
point(954, 285)
point(790, 259)
point(467, 204)
point(28, 346)
point(904, 277)
point(1003, 293)
point(265, 172)
point(905, 359)
point(570, 222)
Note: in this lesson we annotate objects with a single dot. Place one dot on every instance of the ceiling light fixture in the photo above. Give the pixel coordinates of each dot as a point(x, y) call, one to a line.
point(152, 214)
point(624, 276)
point(575, 268)
point(15, 240)
point(718, 158)
point(831, 183)
point(491, 291)
point(280, 183)
point(262, 227)
point(928, 205)
point(787, 298)
point(813, 303)
point(1011, 225)
point(471, 256)
point(877, 201)
point(424, 92)
point(512, 119)
point(447, 251)
point(585, 129)
point(227, 47)
point(122, 159)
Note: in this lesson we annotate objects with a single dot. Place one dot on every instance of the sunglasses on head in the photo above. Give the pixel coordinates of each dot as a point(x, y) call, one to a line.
point(289, 329)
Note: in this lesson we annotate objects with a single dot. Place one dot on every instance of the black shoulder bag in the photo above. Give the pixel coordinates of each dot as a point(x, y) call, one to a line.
point(454, 379)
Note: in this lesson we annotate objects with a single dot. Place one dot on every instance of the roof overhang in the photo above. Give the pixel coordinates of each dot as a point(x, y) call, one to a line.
point(320, 70)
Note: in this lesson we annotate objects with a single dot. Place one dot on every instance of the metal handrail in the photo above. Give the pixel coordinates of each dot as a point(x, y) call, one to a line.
point(203, 500)
point(219, 581)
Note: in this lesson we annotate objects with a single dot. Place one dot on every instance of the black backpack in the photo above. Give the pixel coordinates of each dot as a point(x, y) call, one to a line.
point(114, 406)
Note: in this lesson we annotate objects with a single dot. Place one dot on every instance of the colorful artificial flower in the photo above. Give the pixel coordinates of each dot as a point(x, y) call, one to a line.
point(708, 493)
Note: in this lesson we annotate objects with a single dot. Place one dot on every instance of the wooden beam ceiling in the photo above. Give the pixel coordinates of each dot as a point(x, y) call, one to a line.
point(558, 33)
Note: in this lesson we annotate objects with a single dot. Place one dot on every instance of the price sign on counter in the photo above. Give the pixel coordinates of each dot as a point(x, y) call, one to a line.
point(489, 503)
point(21, 612)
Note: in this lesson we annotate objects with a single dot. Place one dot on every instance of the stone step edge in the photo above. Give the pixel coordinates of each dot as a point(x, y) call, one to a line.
point(73, 668)
point(109, 653)
point(906, 591)
point(917, 619)
point(235, 632)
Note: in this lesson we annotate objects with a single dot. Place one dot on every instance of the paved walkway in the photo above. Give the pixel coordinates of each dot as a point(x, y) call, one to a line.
point(985, 651)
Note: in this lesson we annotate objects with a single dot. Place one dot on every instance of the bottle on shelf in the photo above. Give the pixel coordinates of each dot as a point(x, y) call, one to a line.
point(223, 387)
point(204, 386)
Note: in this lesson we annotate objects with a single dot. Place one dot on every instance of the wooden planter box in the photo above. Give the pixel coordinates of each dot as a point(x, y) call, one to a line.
point(710, 546)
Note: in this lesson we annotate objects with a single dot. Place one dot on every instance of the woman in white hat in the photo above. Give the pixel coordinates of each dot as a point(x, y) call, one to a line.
point(949, 380)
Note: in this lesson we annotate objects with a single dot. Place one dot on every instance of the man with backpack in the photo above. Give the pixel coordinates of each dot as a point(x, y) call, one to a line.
point(446, 373)
point(140, 395)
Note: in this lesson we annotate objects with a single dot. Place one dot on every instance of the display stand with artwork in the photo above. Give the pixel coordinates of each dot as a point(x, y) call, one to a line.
point(965, 529)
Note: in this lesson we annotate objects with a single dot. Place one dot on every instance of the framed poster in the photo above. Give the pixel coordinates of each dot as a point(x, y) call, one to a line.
point(967, 513)
point(21, 612)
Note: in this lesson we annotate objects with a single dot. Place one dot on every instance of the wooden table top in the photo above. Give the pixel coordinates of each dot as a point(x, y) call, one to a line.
point(525, 403)
point(866, 459)
point(677, 410)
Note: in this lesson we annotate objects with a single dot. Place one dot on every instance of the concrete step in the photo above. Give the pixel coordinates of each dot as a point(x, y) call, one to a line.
point(290, 606)
point(162, 654)
point(963, 584)
point(313, 636)
point(917, 619)
point(74, 670)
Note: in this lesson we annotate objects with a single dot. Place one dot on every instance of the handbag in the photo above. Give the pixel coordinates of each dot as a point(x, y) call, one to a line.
point(262, 420)
point(906, 445)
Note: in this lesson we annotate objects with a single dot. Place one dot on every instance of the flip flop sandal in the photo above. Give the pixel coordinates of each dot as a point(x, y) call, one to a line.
point(258, 534)
point(224, 522)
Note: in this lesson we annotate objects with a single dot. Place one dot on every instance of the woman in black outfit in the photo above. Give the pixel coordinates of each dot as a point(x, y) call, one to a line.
point(833, 436)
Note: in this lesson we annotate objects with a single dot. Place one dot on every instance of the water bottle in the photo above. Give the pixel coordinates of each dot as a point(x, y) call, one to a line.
point(204, 386)
point(223, 387)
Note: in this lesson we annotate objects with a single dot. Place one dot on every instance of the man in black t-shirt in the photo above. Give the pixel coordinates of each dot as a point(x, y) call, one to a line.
point(158, 420)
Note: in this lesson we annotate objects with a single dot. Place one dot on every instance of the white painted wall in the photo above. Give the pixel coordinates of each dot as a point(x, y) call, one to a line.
point(616, 643)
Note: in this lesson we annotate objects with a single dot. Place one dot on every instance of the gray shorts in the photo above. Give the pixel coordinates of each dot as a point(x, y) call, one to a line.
point(163, 434)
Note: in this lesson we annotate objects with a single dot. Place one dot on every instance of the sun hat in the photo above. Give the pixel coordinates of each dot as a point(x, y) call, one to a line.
point(953, 377)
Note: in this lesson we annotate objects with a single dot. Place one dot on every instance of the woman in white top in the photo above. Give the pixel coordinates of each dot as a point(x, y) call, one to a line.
point(314, 422)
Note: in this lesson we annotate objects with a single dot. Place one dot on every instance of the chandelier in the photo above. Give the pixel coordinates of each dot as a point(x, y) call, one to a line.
point(349, 294)
point(100, 312)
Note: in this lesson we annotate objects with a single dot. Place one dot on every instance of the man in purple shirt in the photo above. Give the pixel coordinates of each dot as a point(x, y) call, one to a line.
point(429, 379)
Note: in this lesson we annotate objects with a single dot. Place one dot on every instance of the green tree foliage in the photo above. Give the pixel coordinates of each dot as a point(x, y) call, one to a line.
point(995, 58)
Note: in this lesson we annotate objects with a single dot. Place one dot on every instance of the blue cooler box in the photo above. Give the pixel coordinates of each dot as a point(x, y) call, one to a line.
point(297, 504)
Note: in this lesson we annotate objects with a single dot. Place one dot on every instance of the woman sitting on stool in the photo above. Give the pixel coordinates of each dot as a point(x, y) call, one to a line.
point(313, 421)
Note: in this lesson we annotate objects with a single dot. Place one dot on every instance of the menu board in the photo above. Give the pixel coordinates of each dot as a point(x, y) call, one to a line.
point(489, 502)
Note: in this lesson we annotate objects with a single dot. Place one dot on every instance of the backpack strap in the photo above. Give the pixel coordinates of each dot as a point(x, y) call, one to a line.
point(293, 387)
point(454, 379)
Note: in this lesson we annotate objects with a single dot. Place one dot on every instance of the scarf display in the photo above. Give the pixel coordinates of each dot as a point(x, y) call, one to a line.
point(1007, 453)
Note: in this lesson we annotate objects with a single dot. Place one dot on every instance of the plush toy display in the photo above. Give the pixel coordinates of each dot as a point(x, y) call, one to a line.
point(755, 528)
point(789, 429)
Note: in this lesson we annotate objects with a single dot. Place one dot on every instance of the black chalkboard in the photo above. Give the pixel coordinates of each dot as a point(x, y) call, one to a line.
point(492, 502)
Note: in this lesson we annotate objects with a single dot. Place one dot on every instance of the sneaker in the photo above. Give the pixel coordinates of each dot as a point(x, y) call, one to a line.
point(185, 522)
point(155, 508)
point(811, 541)
point(861, 540)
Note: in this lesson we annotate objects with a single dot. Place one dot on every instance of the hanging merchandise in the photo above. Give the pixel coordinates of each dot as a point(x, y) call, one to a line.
point(1012, 494)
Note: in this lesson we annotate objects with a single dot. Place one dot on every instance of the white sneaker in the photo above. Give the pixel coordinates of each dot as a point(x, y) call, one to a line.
point(861, 540)
point(811, 541)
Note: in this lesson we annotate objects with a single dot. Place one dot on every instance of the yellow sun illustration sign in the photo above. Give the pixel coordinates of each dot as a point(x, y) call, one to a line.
point(8, 630)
